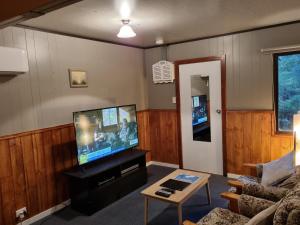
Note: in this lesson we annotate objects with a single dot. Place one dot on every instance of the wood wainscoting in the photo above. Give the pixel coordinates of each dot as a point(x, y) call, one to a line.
point(251, 138)
point(32, 162)
point(31, 170)
point(158, 133)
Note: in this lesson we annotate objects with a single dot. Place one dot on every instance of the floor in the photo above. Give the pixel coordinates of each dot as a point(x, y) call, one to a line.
point(130, 209)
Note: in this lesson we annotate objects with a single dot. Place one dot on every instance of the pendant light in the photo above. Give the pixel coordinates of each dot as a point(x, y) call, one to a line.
point(126, 31)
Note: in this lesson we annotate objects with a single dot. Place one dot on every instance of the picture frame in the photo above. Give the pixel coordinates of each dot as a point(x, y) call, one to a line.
point(78, 78)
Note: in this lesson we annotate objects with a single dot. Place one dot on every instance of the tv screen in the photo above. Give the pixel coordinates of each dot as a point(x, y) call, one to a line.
point(103, 132)
point(199, 114)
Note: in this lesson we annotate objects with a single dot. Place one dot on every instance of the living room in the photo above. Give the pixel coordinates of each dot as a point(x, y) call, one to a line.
point(104, 103)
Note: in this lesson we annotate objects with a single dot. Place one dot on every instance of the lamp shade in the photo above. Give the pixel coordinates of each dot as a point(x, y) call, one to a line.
point(126, 32)
point(296, 125)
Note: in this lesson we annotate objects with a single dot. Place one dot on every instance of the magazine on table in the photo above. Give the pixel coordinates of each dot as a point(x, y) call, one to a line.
point(187, 178)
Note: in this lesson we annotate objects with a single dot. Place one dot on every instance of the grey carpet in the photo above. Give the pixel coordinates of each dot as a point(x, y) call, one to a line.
point(130, 209)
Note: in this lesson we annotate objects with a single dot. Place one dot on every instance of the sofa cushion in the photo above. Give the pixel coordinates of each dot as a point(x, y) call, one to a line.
point(276, 171)
point(221, 216)
point(291, 182)
point(250, 206)
point(270, 193)
point(288, 211)
point(294, 217)
point(265, 217)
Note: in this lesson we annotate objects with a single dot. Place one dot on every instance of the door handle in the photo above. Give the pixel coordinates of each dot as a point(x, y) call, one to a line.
point(218, 111)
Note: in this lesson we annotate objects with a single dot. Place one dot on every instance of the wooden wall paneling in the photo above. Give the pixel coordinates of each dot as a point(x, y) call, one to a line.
point(250, 139)
point(49, 164)
point(5, 165)
point(73, 145)
point(8, 201)
point(144, 131)
point(30, 175)
point(39, 156)
point(256, 136)
point(6, 184)
point(281, 145)
point(17, 165)
point(58, 159)
point(9, 9)
point(1, 207)
point(239, 143)
point(31, 170)
point(67, 151)
point(261, 137)
point(155, 135)
point(266, 131)
point(247, 141)
point(67, 147)
point(168, 137)
point(235, 132)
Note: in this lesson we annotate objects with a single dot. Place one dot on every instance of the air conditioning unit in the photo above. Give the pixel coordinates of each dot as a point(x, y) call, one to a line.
point(13, 61)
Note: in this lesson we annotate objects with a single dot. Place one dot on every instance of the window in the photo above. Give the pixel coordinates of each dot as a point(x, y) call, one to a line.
point(287, 89)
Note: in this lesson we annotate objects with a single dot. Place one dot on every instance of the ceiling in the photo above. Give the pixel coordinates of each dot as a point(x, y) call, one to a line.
point(172, 20)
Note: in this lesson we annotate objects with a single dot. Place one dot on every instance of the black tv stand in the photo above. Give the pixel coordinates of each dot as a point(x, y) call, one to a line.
point(96, 186)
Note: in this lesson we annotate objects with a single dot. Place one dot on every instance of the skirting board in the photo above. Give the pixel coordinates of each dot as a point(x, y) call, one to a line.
point(163, 164)
point(46, 213)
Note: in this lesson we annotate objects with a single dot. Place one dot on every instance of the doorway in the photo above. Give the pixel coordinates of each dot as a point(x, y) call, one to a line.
point(201, 110)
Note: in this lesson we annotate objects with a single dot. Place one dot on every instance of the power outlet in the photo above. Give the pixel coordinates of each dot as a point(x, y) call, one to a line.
point(21, 213)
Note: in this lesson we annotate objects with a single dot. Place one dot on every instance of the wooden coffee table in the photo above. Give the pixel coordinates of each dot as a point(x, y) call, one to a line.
point(179, 197)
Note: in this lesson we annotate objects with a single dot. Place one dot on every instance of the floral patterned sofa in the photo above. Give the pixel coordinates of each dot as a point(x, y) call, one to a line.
point(258, 211)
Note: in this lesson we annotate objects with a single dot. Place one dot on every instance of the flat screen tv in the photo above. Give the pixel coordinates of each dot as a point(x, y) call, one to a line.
point(104, 132)
point(199, 105)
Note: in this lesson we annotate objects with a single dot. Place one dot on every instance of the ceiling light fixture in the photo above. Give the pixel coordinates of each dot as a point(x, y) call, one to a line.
point(126, 31)
point(159, 41)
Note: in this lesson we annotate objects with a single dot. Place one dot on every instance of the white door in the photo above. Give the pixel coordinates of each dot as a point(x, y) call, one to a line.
point(201, 117)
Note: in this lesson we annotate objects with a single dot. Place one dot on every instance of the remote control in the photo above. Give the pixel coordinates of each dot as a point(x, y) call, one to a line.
point(163, 193)
point(168, 190)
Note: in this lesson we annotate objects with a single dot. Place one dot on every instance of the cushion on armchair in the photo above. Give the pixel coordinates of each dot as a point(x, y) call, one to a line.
point(250, 206)
point(288, 211)
point(294, 217)
point(276, 171)
point(292, 180)
point(223, 217)
point(270, 193)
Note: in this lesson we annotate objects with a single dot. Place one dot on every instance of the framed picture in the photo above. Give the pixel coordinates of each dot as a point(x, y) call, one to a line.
point(78, 78)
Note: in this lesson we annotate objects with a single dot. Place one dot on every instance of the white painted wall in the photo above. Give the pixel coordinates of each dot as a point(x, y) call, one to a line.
point(43, 98)
point(249, 74)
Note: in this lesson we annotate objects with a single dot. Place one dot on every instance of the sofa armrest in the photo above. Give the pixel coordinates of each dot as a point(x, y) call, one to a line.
point(187, 222)
point(237, 184)
point(233, 200)
point(249, 206)
point(260, 191)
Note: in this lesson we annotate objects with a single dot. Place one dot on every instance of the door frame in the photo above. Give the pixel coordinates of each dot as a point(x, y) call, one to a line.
point(222, 59)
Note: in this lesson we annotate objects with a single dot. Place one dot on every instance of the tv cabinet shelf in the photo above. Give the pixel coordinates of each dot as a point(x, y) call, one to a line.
point(96, 186)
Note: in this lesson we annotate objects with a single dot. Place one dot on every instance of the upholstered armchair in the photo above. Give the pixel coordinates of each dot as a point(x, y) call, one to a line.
point(251, 186)
point(257, 211)
point(249, 206)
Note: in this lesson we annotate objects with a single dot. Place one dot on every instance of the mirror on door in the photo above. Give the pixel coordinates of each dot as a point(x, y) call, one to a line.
point(200, 108)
